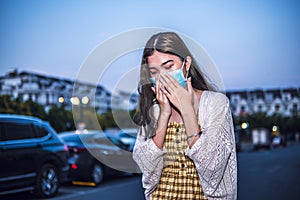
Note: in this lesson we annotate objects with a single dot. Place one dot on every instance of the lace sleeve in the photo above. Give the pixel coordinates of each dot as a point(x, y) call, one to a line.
point(214, 152)
point(149, 158)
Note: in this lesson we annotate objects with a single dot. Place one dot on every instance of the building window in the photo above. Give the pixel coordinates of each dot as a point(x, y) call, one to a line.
point(277, 107)
point(243, 108)
point(295, 109)
point(259, 108)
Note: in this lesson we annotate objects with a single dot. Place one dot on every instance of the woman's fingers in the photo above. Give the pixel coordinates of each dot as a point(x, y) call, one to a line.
point(153, 89)
point(174, 92)
point(159, 94)
point(189, 85)
point(168, 82)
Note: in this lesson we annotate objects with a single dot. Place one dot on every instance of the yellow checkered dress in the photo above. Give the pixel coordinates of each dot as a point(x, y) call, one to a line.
point(179, 179)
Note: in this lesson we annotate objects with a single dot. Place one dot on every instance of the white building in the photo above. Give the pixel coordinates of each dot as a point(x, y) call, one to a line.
point(47, 90)
point(281, 101)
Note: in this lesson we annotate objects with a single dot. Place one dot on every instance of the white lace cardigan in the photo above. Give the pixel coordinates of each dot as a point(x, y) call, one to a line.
point(214, 152)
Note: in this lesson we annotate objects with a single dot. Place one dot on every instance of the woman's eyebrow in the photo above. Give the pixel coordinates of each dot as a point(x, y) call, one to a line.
point(164, 63)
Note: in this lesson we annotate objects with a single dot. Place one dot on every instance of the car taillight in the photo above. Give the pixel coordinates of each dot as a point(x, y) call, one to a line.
point(66, 147)
point(74, 166)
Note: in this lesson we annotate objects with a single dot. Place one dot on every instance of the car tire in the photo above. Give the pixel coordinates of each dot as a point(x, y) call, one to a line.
point(97, 173)
point(47, 181)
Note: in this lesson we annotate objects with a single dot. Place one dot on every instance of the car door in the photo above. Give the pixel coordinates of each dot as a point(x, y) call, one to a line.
point(4, 159)
point(115, 154)
point(18, 152)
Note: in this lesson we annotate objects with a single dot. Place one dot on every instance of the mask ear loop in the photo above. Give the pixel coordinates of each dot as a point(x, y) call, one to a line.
point(187, 71)
point(187, 74)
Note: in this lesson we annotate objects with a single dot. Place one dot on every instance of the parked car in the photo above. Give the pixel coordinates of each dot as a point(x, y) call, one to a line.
point(278, 141)
point(32, 156)
point(95, 155)
point(127, 136)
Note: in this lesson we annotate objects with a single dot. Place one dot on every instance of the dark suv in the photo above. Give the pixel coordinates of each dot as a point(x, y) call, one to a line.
point(32, 157)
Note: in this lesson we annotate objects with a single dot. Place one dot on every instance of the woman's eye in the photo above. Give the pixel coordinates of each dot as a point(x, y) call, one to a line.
point(169, 67)
point(152, 73)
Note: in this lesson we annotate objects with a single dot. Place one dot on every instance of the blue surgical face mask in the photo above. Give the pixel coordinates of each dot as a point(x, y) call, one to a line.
point(177, 75)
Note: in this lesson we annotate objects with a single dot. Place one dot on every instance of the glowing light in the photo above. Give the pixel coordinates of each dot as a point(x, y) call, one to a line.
point(275, 128)
point(74, 166)
point(75, 101)
point(244, 125)
point(85, 100)
point(61, 100)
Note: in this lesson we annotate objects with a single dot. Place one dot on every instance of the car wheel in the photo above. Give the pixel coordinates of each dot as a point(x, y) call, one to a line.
point(47, 182)
point(97, 173)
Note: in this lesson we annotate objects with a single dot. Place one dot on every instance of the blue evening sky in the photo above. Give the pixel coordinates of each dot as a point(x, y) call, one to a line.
point(254, 43)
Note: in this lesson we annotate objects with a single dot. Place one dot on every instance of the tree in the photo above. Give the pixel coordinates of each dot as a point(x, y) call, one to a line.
point(8, 105)
point(34, 109)
point(117, 119)
point(61, 119)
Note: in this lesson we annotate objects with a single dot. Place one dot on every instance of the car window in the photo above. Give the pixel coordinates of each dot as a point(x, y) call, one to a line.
point(2, 136)
point(41, 131)
point(15, 131)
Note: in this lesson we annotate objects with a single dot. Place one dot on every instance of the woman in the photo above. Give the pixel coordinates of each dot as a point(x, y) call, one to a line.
point(185, 147)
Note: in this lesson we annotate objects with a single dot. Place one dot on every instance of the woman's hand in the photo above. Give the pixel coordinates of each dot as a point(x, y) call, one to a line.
point(165, 107)
point(165, 113)
point(175, 93)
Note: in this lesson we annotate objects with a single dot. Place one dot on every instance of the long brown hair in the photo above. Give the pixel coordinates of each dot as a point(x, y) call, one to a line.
point(171, 43)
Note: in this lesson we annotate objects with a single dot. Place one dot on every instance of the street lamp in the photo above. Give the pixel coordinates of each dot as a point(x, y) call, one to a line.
point(275, 130)
point(85, 100)
point(244, 125)
point(76, 101)
point(61, 100)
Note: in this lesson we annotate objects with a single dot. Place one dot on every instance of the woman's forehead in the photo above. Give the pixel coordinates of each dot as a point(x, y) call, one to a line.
point(158, 58)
